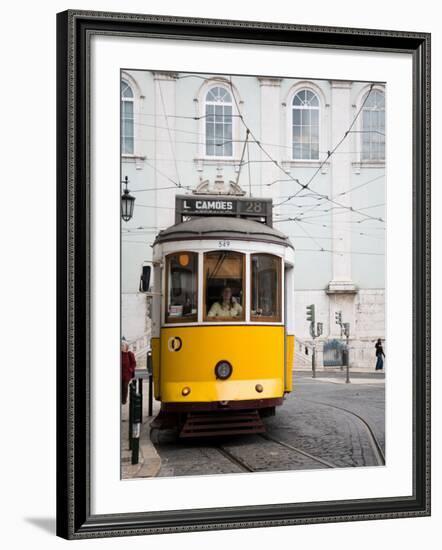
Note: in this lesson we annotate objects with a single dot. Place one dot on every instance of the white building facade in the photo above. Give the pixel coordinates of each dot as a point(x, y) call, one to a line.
point(316, 147)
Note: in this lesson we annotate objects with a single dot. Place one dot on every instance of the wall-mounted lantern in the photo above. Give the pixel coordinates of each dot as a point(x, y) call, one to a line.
point(127, 202)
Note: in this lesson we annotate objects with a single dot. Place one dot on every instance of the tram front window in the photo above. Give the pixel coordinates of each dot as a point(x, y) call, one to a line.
point(224, 286)
point(182, 294)
point(266, 288)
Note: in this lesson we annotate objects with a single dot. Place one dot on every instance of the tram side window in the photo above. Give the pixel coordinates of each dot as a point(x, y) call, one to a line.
point(266, 288)
point(224, 286)
point(182, 292)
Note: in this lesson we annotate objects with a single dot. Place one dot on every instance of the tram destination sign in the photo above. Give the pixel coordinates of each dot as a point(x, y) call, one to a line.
point(188, 206)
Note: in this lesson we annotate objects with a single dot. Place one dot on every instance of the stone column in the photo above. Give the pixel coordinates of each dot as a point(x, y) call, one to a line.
point(270, 133)
point(341, 288)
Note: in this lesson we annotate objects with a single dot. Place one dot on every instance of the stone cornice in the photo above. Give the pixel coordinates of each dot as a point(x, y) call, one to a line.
point(269, 81)
point(165, 76)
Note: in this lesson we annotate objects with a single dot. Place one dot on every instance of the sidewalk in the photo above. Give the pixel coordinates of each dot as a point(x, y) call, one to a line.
point(335, 375)
point(149, 460)
point(332, 370)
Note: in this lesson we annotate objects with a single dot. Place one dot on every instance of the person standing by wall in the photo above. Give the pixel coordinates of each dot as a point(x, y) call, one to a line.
point(379, 355)
point(128, 364)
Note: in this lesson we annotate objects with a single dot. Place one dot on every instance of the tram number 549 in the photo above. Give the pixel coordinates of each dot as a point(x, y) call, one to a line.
point(223, 244)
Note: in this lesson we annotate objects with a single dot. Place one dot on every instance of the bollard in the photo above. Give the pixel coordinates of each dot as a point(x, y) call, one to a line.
point(135, 427)
point(131, 392)
point(140, 391)
point(150, 403)
point(150, 383)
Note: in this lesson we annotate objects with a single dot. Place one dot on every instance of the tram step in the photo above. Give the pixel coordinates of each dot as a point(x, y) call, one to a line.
point(222, 423)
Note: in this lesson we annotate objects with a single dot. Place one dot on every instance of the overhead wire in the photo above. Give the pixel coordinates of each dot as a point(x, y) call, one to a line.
point(339, 143)
point(172, 147)
point(348, 191)
point(161, 173)
point(246, 142)
point(276, 163)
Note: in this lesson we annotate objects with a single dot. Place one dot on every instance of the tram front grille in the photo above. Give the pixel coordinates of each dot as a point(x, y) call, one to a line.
point(207, 424)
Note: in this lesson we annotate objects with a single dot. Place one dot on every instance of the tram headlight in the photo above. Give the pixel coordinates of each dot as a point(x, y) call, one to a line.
point(223, 370)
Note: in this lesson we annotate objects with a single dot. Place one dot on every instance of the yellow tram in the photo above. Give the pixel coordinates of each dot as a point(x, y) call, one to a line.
point(222, 316)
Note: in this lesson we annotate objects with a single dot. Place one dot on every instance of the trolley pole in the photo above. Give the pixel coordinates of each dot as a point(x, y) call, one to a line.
point(315, 331)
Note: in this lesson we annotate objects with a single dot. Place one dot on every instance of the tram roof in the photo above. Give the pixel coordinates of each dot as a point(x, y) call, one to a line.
point(222, 227)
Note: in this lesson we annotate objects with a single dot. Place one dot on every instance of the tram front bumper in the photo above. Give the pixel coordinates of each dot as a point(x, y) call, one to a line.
point(223, 390)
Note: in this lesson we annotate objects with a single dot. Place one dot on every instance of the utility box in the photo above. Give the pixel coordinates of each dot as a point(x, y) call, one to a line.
point(333, 353)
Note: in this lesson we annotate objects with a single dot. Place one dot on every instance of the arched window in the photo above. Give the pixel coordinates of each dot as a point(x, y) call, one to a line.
point(219, 122)
point(305, 125)
point(373, 126)
point(127, 119)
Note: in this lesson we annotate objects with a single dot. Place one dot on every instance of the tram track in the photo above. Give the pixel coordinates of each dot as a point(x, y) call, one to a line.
point(276, 452)
point(374, 443)
point(297, 450)
point(234, 459)
point(247, 467)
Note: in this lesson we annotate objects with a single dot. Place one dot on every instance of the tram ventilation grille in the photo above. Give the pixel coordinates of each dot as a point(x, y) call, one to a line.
point(222, 423)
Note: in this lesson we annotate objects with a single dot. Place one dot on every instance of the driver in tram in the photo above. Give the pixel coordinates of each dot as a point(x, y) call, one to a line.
point(226, 307)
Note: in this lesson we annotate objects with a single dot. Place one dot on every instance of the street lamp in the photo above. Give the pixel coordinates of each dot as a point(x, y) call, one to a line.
point(127, 202)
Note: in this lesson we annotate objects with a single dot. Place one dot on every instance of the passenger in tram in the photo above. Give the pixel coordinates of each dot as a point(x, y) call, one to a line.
point(226, 307)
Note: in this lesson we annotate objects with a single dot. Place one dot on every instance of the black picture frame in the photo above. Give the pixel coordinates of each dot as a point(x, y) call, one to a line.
point(74, 31)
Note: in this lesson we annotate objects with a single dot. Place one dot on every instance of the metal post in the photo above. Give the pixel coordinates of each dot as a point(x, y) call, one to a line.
point(347, 352)
point(135, 450)
point(314, 361)
point(343, 354)
point(315, 331)
point(150, 402)
point(150, 383)
point(131, 391)
point(140, 391)
point(136, 425)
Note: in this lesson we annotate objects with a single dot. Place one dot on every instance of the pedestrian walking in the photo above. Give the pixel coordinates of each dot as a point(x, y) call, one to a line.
point(128, 364)
point(379, 355)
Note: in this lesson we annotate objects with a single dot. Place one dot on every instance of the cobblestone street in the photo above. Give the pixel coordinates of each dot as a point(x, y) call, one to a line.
point(324, 423)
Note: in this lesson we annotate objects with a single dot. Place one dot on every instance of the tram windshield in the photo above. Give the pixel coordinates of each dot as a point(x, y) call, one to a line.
point(224, 286)
point(266, 288)
point(182, 292)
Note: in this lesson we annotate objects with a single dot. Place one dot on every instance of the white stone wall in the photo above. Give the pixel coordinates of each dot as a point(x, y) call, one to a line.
point(365, 311)
point(369, 325)
point(340, 262)
point(134, 316)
